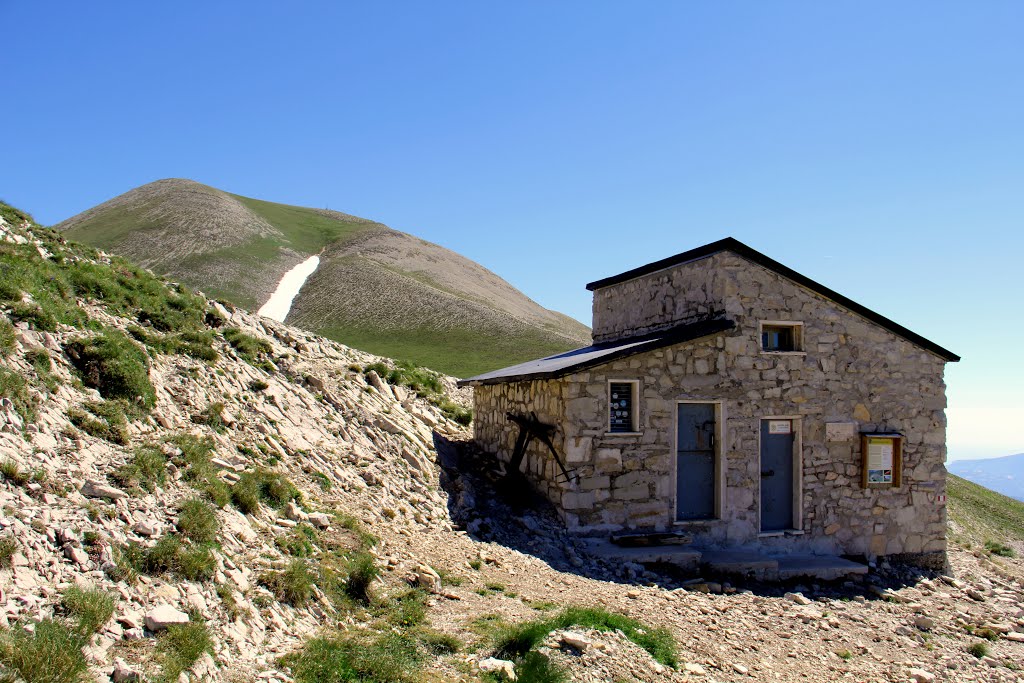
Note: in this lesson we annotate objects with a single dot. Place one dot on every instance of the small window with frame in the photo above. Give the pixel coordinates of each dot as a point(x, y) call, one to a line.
point(882, 460)
point(622, 406)
point(781, 337)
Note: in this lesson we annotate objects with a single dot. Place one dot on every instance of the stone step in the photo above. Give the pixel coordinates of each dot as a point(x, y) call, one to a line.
point(822, 567)
point(744, 563)
point(679, 556)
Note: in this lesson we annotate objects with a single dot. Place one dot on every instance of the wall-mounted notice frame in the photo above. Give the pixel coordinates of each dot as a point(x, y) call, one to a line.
point(882, 460)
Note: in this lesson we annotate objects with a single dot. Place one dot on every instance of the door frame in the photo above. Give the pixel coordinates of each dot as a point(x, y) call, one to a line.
point(798, 476)
point(719, 480)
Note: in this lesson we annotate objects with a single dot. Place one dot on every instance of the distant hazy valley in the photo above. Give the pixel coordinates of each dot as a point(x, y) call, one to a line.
point(1004, 475)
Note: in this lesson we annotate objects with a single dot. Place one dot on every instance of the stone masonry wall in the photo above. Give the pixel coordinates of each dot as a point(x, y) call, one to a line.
point(496, 434)
point(851, 370)
point(659, 300)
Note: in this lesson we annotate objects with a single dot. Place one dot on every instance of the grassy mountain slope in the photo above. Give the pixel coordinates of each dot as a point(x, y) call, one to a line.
point(978, 515)
point(377, 289)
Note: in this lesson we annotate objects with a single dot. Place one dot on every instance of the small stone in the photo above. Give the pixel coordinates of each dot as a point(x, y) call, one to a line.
point(922, 676)
point(321, 520)
point(740, 669)
point(493, 665)
point(694, 669)
point(633, 594)
point(798, 598)
point(427, 578)
point(97, 489)
point(577, 640)
point(123, 673)
point(974, 594)
point(145, 529)
point(924, 623)
point(163, 616)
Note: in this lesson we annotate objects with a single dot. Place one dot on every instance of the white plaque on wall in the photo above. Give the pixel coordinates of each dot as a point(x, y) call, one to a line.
point(840, 431)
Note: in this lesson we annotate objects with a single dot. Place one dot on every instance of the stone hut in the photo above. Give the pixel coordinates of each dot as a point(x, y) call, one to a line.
point(730, 398)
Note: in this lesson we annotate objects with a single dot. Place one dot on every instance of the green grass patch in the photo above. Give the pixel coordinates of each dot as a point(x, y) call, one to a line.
point(115, 366)
point(170, 555)
point(197, 521)
point(293, 585)
point(90, 608)
point(146, 470)
point(370, 658)
point(195, 461)
point(51, 653)
point(181, 646)
point(213, 417)
point(252, 350)
point(194, 343)
point(8, 546)
point(14, 387)
point(980, 649)
point(515, 641)
point(977, 514)
point(42, 364)
point(8, 337)
point(299, 542)
point(262, 486)
point(106, 420)
point(1000, 549)
point(12, 472)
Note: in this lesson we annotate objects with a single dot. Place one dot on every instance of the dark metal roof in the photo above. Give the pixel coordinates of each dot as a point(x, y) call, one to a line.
point(599, 354)
point(751, 254)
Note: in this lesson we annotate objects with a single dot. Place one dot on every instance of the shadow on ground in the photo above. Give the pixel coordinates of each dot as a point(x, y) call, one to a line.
point(495, 508)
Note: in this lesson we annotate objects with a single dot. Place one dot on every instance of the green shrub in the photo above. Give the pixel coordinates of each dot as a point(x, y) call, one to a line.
point(194, 460)
point(197, 521)
point(321, 479)
point(293, 585)
point(146, 470)
point(249, 348)
point(388, 658)
point(115, 366)
point(7, 336)
point(14, 387)
point(212, 416)
point(51, 653)
point(362, 570)
point(406, 610)
point(169, 555)
point(196, 344)
point(13, 473)
point(181, 646)
point(90, 608)
point(43, 366)
point(262, 485)
point(439, 643)
point(517, 640)
point(258, 385)
point(1000, 549)
point(106, 420)
point(979, 649)
point(455, 412)
point(299, 542)
point(8, 546)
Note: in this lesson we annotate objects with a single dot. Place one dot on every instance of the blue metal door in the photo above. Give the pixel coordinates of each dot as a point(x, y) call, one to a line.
point(695, 461)
point(777, 440)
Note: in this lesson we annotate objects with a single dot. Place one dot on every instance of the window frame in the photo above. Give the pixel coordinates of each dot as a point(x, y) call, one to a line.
point(797, 327)
point(634, 418)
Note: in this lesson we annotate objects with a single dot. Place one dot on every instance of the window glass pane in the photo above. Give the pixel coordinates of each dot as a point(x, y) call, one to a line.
point(778, 338)
point(620, 405)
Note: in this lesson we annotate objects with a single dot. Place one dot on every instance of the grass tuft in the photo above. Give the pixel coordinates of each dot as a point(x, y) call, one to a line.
point(146, 470)
point(14, 387)
point(89, 607)
point(197, 521)
point(115, 366)
point(181, 646)
point(517, 640)
point(265, 486)
point(387, 658)
point(293, 585)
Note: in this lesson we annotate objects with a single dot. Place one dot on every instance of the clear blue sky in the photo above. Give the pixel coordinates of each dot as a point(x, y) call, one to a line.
point(876, 147)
